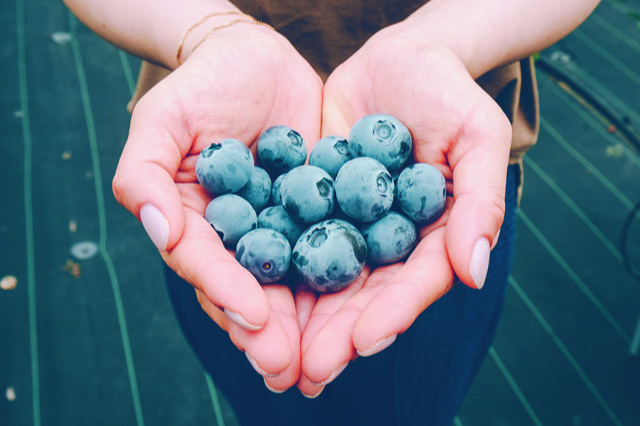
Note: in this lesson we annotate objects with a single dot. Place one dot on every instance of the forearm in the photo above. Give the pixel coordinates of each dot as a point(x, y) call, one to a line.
point(151, 29)
point(489, 33)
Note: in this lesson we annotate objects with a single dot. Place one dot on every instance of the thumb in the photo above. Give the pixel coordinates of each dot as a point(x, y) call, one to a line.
point(145, 184)
point(335, 120)
point(479, 160)
point(340, 108)
point(144, 179)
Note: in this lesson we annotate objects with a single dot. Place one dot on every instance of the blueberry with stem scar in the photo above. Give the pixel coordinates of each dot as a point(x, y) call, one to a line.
point(330, 153)
point(329, 255)
point(280, 149)
point(307, 194)
point(383, 137)
point(265, 253)
point(364, 189)
point(224, 167)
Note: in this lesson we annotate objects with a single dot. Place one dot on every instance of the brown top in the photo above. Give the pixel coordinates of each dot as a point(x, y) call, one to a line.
point(327, 32)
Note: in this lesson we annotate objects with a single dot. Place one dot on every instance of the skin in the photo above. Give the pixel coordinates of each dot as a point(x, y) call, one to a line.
point(169, 127)
point(456, 127)
point(248, 70)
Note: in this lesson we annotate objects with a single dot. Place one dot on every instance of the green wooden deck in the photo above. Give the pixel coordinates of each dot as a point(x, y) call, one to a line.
point(87, 336)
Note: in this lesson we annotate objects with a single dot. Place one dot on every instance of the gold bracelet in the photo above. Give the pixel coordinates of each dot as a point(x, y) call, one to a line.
point(243, 18)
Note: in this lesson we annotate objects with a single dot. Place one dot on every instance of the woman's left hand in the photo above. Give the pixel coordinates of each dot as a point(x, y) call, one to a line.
point(456, 127)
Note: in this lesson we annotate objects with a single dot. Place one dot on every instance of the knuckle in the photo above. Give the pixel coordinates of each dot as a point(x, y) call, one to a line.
point(495, 205)
point(119, 186)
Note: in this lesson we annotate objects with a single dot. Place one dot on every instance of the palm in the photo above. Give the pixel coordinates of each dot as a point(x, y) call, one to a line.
point(455, 127)
point(233, 86)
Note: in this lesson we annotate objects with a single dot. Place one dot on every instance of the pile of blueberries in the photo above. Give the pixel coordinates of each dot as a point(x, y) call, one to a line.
point(356, 201)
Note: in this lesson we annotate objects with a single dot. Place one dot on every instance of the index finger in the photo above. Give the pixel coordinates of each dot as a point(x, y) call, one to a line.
point(200, 258)
point(479, 160)
point(423, 279)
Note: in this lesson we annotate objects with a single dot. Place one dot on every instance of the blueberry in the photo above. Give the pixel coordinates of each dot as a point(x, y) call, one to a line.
point(280, 149)
point(383, 137)
point(307, 194)
point(364, 189)
point(224, 167)
point(330, 153)
point(389, 239)
point(275, 190)
point(265, 253)
point(257, 191)
point(231, 216)
point(422, 192)
point(329, 255)
point(277, 218)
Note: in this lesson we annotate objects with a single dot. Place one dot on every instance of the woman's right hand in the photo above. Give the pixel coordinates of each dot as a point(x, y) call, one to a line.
point(241, 80)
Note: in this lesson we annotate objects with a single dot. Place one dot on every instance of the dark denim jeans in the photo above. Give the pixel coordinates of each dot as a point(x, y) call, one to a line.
point(421, 379)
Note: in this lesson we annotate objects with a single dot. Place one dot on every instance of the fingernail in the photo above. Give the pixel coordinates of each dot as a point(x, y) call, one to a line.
point(156, 225)
point(332, 376)
point(312, 396)
point(256, 367)
point(272, 389)
point(480, 262)
point(239, 319)
point(380, 345)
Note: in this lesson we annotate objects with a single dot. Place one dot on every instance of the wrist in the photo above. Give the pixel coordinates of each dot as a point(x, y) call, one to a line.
point(175, 42)
point(486, 34)
point(437, 29)
point(149, 29)
point(209, 26)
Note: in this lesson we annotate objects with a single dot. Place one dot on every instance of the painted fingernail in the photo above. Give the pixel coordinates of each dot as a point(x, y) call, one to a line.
point(272, 389)
point(333, 375)
point(380, 345)
point(239, 319)
point(256, 367)
point(156, 225)
point(479, 264)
